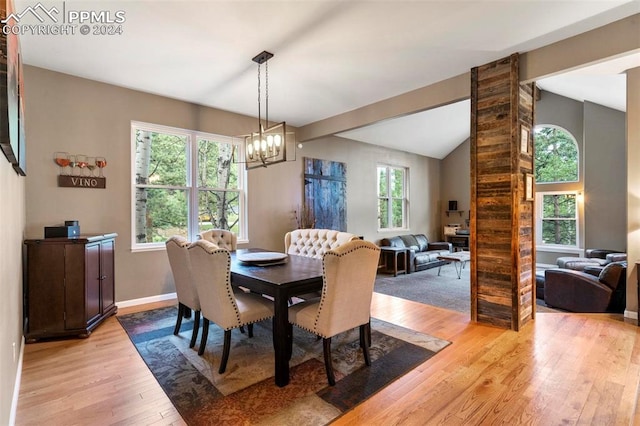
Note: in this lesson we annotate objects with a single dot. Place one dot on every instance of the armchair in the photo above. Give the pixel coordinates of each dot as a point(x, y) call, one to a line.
point(592, 290)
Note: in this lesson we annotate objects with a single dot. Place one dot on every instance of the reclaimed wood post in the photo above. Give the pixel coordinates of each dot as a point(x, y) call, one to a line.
point(502, 192)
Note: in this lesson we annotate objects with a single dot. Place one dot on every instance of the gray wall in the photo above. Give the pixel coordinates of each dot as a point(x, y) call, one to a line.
point(600, 133)
point(82, 116)
point(605, 183)
point(361, 160)
point(12, 222)
point(455, 184)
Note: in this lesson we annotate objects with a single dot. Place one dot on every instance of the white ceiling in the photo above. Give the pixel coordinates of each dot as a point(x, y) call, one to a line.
point(331, 56)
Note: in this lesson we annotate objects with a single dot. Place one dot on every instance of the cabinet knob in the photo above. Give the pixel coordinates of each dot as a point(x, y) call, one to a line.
point(103, 277)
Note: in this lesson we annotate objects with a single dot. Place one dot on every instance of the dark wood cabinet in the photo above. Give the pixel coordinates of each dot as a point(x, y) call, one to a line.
point(69, 285)
point(459, 242)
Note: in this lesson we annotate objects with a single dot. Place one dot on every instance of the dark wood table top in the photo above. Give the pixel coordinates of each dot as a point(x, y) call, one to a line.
point(294, 270)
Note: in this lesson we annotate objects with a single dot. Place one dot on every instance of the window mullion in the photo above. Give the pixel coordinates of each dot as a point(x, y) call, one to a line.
point(192, 185)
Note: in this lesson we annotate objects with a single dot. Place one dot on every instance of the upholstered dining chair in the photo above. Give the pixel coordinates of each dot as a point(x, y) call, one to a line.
point(314, 243)
point(177, 251)
point(210, 267)
point(220, 237)
point(348, 274)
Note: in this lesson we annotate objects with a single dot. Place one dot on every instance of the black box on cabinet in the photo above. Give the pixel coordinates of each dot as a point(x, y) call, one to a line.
point(61, 231)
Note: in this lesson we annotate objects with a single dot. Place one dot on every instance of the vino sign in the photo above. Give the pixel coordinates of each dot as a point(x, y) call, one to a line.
point(82, 182)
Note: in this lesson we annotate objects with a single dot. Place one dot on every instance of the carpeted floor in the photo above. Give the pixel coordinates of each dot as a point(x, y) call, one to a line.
point(246, 392)
point(445, 291)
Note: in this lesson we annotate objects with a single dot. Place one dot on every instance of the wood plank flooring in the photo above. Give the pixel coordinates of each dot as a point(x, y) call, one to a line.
point(560, 369)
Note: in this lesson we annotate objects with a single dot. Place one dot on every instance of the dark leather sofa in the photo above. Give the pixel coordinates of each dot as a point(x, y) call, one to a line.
point(422, 253)
point(594, 289)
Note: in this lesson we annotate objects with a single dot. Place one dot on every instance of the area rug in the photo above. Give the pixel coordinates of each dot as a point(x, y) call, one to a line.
point(246, 393)
point(444, 291)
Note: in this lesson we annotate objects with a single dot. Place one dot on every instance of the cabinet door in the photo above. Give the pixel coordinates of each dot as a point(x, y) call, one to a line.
point(45, 288)
point(107, 273)
point(92, 280)
point(75, 290)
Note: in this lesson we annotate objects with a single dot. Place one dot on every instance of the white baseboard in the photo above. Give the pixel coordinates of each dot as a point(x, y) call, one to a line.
point(631, 314)
point(144, 300)
point(16, 387)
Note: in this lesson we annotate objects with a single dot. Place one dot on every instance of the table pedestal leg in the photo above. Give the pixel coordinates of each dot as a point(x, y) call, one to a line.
point(280, 342)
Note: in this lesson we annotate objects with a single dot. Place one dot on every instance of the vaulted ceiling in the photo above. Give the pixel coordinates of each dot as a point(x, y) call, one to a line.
point(331, 56)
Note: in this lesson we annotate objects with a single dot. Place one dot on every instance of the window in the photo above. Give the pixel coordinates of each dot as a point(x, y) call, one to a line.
point(557, 218)
point(184, 182)
point(556, 167)
point(556, 155)
point(392, 197)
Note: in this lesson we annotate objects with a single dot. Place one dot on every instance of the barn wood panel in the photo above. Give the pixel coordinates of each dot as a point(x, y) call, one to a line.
point(501, 219)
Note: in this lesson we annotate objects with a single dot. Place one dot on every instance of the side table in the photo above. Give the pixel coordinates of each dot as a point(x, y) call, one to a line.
point(393, 253)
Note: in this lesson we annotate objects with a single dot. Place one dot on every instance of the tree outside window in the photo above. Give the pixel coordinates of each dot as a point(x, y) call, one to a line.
point(556, 155)
point(185, 182)
point(392, 198)
point(559, 219)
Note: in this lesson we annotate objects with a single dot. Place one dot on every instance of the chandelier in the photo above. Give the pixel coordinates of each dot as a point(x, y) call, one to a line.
point(269, 144)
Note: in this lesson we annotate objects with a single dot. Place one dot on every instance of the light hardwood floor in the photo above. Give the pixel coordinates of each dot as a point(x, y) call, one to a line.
point(561, 369)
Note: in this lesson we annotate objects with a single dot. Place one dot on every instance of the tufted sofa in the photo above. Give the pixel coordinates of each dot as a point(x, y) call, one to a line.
point(422, 254)
point(220, 237)
point(315, 242)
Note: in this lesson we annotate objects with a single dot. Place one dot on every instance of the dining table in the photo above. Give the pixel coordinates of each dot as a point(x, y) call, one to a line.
point(281, 280)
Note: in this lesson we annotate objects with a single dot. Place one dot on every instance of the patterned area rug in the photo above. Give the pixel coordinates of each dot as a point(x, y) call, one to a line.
point(246, 392)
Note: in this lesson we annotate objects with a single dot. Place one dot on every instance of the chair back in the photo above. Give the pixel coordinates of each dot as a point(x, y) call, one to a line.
point(220, 237)
point(315, 242)
point(210, 268)
point(349, 273)
point(177, 251)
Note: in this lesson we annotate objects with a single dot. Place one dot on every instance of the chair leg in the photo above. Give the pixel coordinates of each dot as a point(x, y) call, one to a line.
point(328, 366)
point(369, 332)
point(242, 329)
point(289, 340)
point(250, 327)
point(176, 329)
point(205, 333)
point(225, 351)
point(196, 327)
point(365, 332)
point(187, 312)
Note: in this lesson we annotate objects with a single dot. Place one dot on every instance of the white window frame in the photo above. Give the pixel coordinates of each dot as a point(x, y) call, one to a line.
point(192, 138)
point(405, 198)
point(539, 212)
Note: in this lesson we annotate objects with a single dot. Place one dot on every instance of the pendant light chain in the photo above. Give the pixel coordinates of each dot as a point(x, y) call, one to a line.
point(259, 96)
point(266, 92)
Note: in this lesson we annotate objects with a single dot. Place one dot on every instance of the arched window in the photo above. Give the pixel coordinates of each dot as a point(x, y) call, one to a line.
point(556, 155)
point(556, 161)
